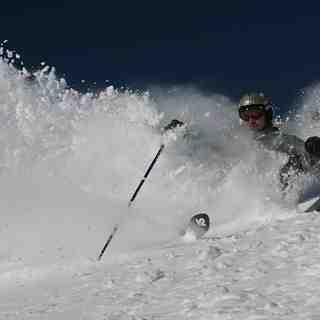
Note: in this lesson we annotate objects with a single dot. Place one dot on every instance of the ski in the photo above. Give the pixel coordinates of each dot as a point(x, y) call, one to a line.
point(198, 225)
point(315, 206)
point(309, 204)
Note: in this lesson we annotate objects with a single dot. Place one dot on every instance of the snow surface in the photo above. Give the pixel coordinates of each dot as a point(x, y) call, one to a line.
point(69, 164)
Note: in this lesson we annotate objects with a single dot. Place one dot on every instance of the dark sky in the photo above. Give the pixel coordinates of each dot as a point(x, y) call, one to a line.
point(227, 47)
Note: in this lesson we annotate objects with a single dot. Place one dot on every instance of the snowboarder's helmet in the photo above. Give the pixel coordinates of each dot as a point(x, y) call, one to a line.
point(256, 102)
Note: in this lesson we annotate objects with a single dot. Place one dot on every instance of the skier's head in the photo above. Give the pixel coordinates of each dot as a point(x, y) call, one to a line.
point(255, 111)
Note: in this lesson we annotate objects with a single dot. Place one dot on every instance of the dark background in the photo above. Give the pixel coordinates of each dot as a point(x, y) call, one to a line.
point(227, 47)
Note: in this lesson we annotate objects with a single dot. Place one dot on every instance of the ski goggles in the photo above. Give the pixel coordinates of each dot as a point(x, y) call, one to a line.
point(254, 112)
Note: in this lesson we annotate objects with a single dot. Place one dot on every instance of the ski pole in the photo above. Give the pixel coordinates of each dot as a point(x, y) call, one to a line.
point(116, 227)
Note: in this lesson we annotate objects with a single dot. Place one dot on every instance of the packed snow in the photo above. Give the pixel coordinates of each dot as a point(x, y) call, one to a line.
point(69, 163)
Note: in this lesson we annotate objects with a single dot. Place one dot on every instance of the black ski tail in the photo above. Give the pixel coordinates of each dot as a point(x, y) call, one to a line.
point(199, 224)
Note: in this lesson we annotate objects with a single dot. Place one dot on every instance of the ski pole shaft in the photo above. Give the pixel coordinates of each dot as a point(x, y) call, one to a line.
point(116, 227)
point(146, 175)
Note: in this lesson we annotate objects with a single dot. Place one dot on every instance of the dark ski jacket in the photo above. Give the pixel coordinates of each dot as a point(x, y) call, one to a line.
point(299, 160)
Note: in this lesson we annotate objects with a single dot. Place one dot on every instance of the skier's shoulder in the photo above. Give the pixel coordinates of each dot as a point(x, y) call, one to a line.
point(291, 140)
point(279, 140)
point(288, 143)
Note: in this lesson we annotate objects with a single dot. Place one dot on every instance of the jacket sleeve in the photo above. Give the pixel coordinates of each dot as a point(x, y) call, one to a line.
point(299, 158)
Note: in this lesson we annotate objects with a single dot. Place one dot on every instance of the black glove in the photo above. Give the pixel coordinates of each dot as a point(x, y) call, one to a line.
point(173, 124)
point(312, 145)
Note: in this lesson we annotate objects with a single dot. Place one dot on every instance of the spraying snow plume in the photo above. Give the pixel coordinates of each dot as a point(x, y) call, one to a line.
point(70, 161)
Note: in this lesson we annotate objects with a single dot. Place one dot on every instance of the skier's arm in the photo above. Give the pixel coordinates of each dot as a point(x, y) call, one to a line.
point(298, 158)
point(302, 156)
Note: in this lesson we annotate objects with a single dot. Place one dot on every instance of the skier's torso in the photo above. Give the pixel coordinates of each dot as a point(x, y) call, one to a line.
point(273, 139)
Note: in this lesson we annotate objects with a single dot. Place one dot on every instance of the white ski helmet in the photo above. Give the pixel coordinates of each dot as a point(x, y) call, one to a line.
point(256, 101)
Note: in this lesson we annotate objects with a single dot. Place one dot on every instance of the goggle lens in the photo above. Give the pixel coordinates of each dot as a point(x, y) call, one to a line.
point(252, 112)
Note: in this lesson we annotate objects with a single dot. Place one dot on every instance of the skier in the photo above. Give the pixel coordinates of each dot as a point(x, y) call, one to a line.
point(256, 114)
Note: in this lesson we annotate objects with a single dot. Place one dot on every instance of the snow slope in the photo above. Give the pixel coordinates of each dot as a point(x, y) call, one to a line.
point(271, 272)
point(70, 162)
